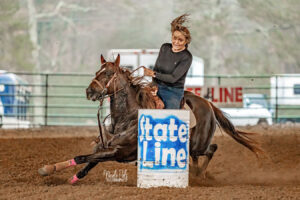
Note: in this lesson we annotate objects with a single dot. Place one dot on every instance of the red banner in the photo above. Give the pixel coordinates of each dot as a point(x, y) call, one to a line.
point(220, 95)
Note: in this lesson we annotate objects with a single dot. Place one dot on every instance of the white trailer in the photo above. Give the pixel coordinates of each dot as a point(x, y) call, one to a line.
point(285, 97)
point(133, 58)
point(285, 89)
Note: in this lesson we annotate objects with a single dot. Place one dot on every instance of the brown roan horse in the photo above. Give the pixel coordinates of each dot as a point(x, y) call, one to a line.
point(128, 94)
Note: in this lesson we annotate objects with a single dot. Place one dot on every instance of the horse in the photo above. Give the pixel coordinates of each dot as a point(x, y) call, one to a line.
point(129, 93)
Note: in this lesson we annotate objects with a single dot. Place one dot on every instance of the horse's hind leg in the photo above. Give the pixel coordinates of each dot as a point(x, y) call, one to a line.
point(194, 167)
point(208, 156)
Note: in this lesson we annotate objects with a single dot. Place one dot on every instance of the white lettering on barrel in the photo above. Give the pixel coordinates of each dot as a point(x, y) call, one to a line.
point(145, 145)
point(143, 131)
point(165, 153)
point(157, 153)
point(163, 128)
point(148, 127)
point(181, 155)
point(182, 132)
point(172, 128)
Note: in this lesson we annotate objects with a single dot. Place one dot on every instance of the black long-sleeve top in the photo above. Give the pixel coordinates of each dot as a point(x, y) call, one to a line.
point(172, 67)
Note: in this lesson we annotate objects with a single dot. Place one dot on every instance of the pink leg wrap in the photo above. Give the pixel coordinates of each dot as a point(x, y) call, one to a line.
point(74, 179)
point(72, 162)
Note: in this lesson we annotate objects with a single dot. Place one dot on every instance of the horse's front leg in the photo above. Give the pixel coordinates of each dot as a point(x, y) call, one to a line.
point(92, 159)
point(50, 169)
point(103, 155)
point(82, 173)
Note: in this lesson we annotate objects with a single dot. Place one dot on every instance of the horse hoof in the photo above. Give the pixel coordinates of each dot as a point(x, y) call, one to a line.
point(202, 175)
point(46, 170)
point(73, 180)
point(42, 172)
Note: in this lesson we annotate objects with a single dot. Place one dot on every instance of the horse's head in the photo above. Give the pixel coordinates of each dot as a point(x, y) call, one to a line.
point(105, 81)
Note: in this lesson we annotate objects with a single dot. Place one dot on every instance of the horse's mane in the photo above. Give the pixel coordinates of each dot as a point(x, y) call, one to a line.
point(144, 90)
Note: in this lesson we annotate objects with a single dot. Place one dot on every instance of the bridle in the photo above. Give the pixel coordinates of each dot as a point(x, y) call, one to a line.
point(105, 88)
point(103, 96)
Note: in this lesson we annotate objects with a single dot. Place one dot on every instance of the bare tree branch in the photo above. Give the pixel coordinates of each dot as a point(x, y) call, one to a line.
point(60, 5)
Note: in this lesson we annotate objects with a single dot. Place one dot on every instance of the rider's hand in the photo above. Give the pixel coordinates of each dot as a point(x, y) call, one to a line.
point(148, 72)
point(154, 91)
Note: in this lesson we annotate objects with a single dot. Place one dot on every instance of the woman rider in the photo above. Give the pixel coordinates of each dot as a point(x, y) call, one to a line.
point(172, 65)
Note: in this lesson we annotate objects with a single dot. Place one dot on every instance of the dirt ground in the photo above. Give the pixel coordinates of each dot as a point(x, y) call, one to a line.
point(234, 172)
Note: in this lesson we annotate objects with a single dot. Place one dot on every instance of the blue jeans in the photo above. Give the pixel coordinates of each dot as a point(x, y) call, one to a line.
point(171, 96)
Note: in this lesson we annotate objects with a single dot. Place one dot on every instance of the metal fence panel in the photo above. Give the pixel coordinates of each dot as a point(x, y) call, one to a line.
point(59, 99)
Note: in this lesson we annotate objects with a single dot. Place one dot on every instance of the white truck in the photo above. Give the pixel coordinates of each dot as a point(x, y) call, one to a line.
point(254, 111)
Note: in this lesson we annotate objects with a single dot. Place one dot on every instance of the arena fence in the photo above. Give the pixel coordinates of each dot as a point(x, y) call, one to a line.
point(49, 99)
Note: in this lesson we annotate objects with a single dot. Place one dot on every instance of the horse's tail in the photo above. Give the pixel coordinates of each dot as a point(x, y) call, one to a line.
point(239, 136)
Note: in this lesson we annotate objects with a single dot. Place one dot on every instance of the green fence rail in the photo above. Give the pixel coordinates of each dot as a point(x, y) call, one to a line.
point(59, 99)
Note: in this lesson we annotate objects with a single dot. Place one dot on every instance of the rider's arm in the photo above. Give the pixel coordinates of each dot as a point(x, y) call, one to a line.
point(181, 68)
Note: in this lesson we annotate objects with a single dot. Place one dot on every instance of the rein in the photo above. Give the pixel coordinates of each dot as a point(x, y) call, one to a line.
point(99, 124)
point(137, 69)
point(102, 97)
point(113, 79)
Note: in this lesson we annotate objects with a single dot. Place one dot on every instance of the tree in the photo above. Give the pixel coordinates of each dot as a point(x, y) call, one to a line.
point(15, 45)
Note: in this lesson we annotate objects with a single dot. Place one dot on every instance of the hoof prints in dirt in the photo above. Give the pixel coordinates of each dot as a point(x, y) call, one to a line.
point(234, 171)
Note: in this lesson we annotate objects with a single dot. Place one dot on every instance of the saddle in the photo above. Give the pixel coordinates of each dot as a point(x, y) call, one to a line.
point(159, 104)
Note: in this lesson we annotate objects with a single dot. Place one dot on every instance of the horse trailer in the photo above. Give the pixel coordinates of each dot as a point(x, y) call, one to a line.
point(14, 97)
point(285, 97)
